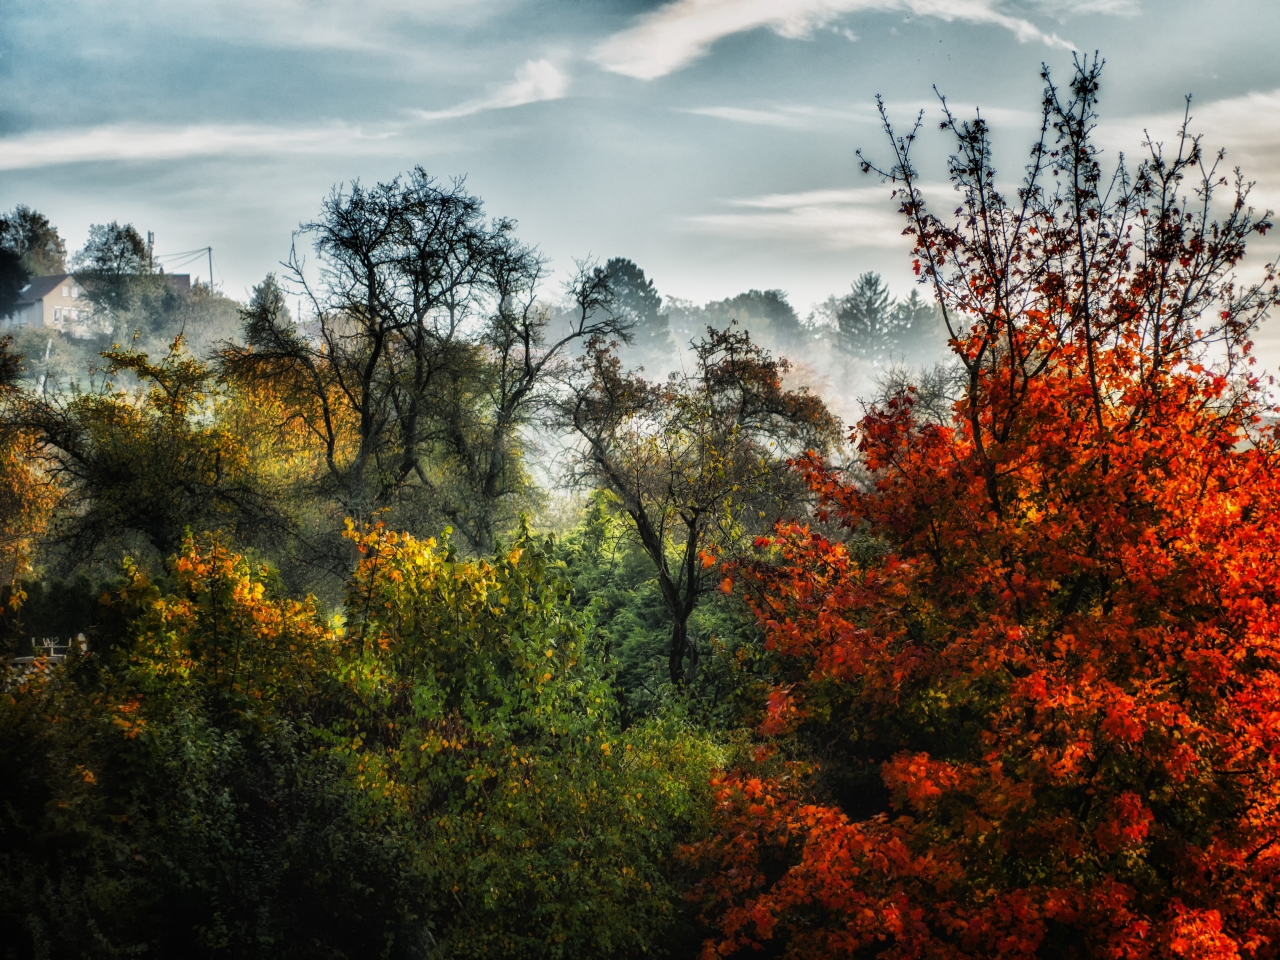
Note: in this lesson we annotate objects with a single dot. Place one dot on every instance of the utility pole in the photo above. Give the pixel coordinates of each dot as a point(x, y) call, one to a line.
point(151, 245)
point(42, 385)
point(209, 250)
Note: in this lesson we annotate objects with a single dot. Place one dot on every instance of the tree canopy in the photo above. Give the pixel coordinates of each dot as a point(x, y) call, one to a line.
point(427, 353)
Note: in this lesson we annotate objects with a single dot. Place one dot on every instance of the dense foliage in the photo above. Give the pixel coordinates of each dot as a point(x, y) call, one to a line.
point(228, 774)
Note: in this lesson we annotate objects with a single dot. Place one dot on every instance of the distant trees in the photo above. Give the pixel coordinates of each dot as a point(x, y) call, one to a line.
point(636, 302)
point(29, 234)
point(767, 314)
point(116, 270)
point(868, 324)
point(697, 462)
point(865, 321)
point(427, 353)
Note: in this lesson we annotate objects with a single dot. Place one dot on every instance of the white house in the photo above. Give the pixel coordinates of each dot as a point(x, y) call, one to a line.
point(57, 302)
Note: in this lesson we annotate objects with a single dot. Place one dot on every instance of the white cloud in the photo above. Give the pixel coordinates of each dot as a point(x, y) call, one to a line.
point(535, 81)
point(676, 34)
point(368, 25)
point(146, 142)
point(759, 118)
point(828, 219)
point(1065, 8)
point(1247, 127)
point(790, 117)
point(798, 117)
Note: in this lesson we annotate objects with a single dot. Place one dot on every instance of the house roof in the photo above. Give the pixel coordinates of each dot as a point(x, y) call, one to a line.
point(40, 287)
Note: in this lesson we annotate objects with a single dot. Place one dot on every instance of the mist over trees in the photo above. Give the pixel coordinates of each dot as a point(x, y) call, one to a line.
point(420, 607)
point(637, 304)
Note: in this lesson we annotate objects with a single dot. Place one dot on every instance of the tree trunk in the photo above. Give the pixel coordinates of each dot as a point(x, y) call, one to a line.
point(679, 647)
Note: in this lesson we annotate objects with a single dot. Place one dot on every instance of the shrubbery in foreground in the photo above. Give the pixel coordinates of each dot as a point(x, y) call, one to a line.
point(228, 775)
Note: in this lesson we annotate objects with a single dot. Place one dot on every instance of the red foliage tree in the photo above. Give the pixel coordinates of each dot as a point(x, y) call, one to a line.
point(1045, 659)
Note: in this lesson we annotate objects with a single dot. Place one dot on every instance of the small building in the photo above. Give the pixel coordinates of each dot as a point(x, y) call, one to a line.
point(60, 303)
point(57, 302)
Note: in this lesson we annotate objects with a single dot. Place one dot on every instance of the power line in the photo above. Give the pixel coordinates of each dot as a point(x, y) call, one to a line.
point(184, 258)
point(180, 253)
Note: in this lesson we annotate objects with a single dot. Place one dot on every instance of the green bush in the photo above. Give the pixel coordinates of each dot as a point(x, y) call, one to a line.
point(226, 774)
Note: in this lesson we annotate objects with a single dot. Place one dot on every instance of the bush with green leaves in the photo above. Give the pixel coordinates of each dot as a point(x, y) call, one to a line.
point(170, 794)
point(439, 773)
point(614, 586)
point(550, 831)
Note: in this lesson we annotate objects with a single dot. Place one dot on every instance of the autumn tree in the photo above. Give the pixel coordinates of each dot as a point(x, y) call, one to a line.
point(696, 462)
point(139, 465)
point(1044, 663)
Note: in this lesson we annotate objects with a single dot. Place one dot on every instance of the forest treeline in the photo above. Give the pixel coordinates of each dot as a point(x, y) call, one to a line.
point(334, 666)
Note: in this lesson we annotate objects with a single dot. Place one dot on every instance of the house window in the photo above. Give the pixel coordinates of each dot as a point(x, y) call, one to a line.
point(66, 292)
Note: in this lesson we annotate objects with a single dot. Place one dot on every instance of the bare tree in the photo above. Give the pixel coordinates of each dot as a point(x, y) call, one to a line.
point(425, 354)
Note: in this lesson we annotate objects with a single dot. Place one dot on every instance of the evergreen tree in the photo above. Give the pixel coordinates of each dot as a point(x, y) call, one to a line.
point(636, 301)
point(867, 324)
point(919, 323)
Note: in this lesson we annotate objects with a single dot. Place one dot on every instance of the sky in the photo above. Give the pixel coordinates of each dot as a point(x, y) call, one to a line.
point(711, 141)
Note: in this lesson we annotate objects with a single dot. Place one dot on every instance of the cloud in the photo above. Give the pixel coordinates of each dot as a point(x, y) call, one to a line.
point(676, 34)
point(847, 219)
point(364, 25)
point(1066, 8)
point(797, 117)
point(1247, 127)
point(535, 81)
point(760, 118)
point(148, 142)
point(790, 117)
